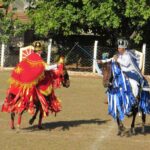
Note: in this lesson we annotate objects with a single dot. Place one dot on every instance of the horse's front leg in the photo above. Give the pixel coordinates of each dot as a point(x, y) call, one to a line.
point(40, 119)
point(135, 111)
point(121, 127)
point(143, 122)
point(12, 115)
point(34, 116)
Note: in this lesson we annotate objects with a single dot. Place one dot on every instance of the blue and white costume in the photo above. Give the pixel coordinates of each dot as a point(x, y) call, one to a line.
point(130, 68)
point(127, 85)
point(120, 97)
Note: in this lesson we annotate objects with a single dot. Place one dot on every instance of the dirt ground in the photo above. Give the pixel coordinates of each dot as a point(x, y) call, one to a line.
point(83, 124)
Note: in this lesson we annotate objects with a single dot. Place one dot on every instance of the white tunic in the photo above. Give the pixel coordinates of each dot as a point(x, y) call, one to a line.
point(50, 67)
point(125, 62)
point(126, 65)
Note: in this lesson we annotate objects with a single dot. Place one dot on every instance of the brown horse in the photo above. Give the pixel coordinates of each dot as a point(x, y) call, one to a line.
point(62, 76)
point(108, 83)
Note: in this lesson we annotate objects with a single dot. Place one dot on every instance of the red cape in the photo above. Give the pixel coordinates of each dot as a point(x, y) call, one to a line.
point(28, 72)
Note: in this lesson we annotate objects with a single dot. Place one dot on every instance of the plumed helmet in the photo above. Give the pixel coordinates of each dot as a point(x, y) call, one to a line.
point(37, 46)
point(122, 43)
point(61, 60)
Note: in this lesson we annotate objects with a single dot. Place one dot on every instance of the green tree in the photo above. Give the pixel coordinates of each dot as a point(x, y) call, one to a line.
point(9, 25)
point(107, 18)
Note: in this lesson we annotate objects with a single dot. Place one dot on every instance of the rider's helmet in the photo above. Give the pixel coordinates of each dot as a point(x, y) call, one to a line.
point(38, 46)
point(122, 43)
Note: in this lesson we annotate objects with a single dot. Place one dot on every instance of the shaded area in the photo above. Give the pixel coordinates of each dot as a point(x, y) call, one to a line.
point(66, 125)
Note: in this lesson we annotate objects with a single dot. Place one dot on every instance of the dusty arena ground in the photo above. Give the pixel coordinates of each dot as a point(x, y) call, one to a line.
point(83, 124)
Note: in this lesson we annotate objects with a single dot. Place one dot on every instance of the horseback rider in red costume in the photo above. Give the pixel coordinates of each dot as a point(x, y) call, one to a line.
point(27, 85)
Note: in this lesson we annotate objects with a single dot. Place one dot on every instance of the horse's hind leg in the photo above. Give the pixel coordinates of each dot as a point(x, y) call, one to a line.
point(40, 119)
point(12, 126)
point(143, 122)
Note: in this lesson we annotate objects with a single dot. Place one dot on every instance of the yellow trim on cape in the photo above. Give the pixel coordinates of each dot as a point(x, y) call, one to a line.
point(61, 60)
point(47, 91)
point(35, 63)
point(26, 85)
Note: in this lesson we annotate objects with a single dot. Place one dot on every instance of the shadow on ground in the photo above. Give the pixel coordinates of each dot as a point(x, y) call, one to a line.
point(66, 125)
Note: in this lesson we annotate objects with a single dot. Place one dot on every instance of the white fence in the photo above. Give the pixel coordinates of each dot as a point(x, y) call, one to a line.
point(2, 55)
point(78, 58)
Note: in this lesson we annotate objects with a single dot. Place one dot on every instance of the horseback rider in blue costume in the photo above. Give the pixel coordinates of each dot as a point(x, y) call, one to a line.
point(127, 84)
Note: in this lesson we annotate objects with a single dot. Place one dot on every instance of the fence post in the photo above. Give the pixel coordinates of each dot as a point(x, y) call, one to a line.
point(144, 55)
point(20, 55)
point(49, 51)
point(95, 56)
point(2, 55)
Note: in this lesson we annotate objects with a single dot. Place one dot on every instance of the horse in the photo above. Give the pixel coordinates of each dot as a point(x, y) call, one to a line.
point(64, 76)
point(108, 81)
point(55, 78)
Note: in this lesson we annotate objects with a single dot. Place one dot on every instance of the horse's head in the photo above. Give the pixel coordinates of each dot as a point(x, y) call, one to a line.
point(61, 75)
point(65, 78)
point(106, 70)
point(107, 74)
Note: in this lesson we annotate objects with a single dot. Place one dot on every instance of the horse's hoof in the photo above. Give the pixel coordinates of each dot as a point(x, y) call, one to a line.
point(40, 127)
point(143, 130)
point(13, 128)
point(132, 131)
point(123, 128)
point(31, 121)
point(18, 129)
point(12, 125)
point(119, 133)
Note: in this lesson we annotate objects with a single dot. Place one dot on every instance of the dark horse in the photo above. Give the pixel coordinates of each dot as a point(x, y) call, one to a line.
point(108, 83)
point(63, 78)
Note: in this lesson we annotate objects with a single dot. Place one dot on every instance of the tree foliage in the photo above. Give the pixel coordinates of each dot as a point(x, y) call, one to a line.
point(9, 25)
point(107, 18)
point(102, 17)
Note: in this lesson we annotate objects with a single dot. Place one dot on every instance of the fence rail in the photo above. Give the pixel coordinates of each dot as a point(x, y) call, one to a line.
point(78, 58)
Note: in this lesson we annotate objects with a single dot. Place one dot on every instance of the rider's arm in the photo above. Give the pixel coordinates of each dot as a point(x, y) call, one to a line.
point(50, 67)
point(105, 61)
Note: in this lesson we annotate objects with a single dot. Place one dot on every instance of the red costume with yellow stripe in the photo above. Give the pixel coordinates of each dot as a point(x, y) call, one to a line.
point(29, 82)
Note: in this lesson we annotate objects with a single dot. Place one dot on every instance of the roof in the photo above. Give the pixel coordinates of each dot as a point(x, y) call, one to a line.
point(21, 16)
point(20, 13)
point(1, 4)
